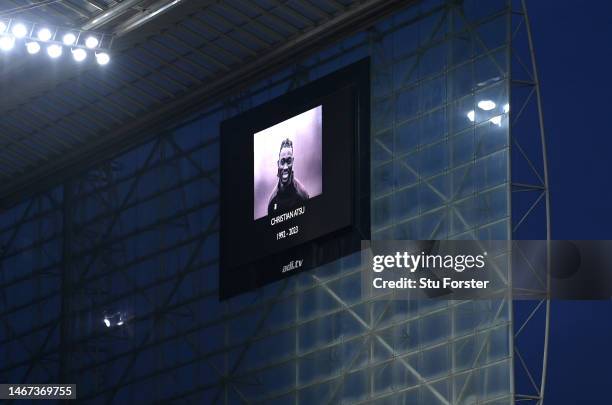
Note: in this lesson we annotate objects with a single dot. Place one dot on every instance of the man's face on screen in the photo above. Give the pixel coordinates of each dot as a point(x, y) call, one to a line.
point(285, 165)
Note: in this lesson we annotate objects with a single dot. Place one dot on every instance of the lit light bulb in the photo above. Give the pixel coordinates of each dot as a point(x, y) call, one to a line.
point(102, 58)
point(33, 47)
point(79, 54)
point(471, 115)
point(19, 30)
point(496, 120)
point(506, 108)
point(54, 51)
point(486, 105)
point(91, 42)
point(44, 34)
point(107, 322)
point(7, 43)
point(69, 39)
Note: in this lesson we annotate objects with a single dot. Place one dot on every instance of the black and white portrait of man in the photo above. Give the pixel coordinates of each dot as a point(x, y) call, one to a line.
point(289, 192)
point(287, 169)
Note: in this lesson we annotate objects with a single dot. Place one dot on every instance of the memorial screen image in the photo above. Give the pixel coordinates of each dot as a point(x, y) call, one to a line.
point(287, 164)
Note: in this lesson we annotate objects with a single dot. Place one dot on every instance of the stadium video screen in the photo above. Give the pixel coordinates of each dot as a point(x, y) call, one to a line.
point(295, 181)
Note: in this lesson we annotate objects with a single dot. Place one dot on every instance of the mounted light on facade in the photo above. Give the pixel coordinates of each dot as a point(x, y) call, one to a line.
point(486, 105)
point(471, 116)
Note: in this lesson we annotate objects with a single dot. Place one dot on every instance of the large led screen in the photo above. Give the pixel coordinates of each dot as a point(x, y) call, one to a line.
point(295, 181)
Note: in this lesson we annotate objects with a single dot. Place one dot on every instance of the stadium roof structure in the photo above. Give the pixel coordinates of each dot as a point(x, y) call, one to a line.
point(169, 57)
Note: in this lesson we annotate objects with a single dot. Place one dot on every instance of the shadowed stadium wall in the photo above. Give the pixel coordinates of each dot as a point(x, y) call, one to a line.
point(139, 234)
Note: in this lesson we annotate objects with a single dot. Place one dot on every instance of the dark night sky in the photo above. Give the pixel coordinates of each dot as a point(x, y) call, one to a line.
point(574, 52)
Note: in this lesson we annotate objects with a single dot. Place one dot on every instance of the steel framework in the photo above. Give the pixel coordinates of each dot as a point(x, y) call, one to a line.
point(531, 206)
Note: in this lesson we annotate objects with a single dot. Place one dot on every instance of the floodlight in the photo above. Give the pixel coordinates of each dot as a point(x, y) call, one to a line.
point(471, 115)
point(91, 42)
point(506, 108)
point(7, 43)
point(44, 34)
point(102, 58)
point(107, 322)
point(79, 54)
point(54, 51)
point(486, 105)
point(19, 30)
point(69, 39)
point(33, 47)
point(496, 120)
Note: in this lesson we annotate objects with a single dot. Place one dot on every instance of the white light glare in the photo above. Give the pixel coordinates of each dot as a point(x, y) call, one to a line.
point(91, 42)
point(120, 322)
point(7, 43)
point(33, 47)
point(471, 116)
point(2, 26)
point(54, 51)
point(79, 54)
point(486, 105)
point(19, 30)
point(506, 108)
point(69, 39)
point(107, 322)
point(496, 120)
point(44, 34)
point(102, 58)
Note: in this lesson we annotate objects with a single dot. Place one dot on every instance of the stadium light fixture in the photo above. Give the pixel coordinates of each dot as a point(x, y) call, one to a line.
point(33, 47)
point(102, 58)
point(114, 319)
point(34, 37)
point(496, 120)
point(19, 30)
point(471, 116)
point(54, 51)
point(7, 43)
point(486, 105)
point(506, 108)
point(91, 42)
point(44, 34)
point(79, 54)
point(69, 39)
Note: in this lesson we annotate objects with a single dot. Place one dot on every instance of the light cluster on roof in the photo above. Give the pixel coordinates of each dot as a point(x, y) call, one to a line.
point(35, 36)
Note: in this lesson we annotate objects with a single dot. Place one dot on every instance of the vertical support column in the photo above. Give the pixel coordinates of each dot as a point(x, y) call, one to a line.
point(532, 193)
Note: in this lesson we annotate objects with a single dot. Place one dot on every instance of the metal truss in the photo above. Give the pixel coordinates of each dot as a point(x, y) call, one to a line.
point(530, 199)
